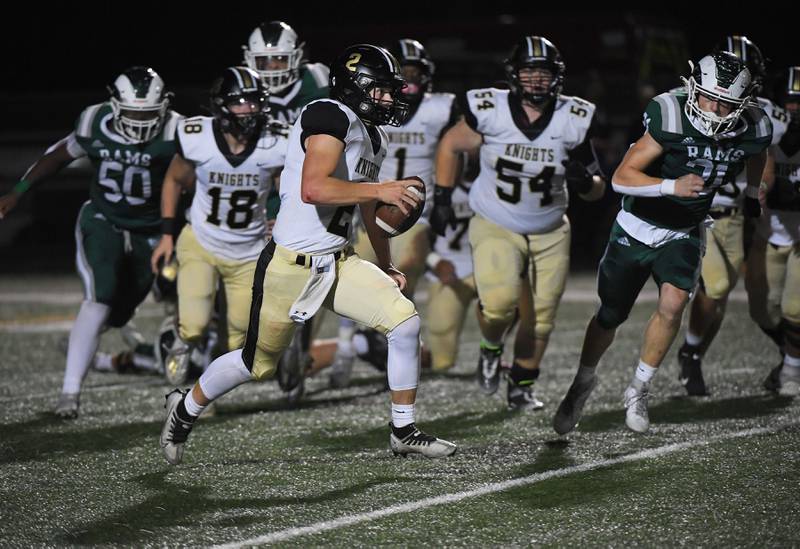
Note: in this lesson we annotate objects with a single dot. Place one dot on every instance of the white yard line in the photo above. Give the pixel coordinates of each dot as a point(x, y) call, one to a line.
point(283, 535)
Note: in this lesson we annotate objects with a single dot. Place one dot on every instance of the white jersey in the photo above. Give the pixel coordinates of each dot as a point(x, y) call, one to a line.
point(317, 229)
point(454, 245)
point(731, 195)
point(228, 208)
point(521, 184)
point(781, 227)
point(412, 146)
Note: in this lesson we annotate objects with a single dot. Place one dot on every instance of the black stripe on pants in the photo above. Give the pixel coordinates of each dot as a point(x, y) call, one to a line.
point(249, 351)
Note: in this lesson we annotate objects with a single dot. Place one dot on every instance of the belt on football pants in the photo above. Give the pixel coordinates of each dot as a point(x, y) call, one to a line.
point(304, 260)
point(719, 213)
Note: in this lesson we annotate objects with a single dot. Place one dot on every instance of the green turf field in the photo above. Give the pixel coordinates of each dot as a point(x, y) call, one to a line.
point(716, 471)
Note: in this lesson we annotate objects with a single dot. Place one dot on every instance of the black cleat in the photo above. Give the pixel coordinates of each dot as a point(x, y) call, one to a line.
point(691, 376)
point(522, 397)
point(175, 431)
point(417, 442)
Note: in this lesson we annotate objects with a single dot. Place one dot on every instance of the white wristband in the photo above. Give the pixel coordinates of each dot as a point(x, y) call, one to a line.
point(432, 260)
point(751, 192)
point(668, 187)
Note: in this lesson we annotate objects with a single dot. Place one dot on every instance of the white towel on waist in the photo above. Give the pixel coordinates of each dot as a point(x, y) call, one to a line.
point(323, 275)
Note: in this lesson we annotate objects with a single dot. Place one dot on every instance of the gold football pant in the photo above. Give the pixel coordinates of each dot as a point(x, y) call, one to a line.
point(361, 292)
point(447, 309)
point(724, 256)
point(501, 258)
point(199, 272)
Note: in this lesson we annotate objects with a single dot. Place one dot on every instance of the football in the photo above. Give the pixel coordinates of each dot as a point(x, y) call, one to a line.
point(392, 220)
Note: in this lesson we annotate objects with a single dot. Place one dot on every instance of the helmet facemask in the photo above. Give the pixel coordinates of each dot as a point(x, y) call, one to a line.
point(418, 81)
point(376, 110)
point(720, 78)
point(278, 69)
point(244, 125)
point(138, 123)
point(539, 95)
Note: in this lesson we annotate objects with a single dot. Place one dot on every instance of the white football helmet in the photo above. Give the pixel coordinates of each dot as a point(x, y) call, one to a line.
point(140, 103)
point(721, 77)
point(274, 53)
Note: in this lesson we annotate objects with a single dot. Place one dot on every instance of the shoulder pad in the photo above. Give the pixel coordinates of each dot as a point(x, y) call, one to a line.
point(664, 114)
point(85, 123)
point(320, 73)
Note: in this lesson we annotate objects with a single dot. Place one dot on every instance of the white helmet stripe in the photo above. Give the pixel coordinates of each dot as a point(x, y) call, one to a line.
point(530, 46)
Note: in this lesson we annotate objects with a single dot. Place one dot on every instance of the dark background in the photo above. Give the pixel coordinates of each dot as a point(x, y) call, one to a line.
point(56, 61)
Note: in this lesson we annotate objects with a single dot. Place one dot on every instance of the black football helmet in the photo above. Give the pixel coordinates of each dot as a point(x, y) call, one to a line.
point(411, 52)
point(746, 50)
point(239, 85)
point(535, 52)
point(139, 102)
point(359, 70)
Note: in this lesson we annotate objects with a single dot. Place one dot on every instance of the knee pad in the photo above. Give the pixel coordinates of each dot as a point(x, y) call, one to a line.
point(501, 306)
point(403, 362)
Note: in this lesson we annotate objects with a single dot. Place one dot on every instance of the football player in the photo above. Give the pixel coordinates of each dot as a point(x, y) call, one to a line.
point(230, 159)
point(535, 144)
point(335, 145)
point(411, 151)
point(698, 140)
point(773, 263)
point(130, 141)
point(276, 53)
point(724, 239)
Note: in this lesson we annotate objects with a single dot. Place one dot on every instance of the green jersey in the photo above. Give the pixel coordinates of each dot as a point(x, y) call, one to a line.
point(286, 105)
point(126, 185)
point(718, 160)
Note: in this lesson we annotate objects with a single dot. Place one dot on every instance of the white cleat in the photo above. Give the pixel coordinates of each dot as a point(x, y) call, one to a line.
point(571, 408)
point(67, 405)
point(175, 431)
point(789, 385)
point(417, 442)
point(636, 417)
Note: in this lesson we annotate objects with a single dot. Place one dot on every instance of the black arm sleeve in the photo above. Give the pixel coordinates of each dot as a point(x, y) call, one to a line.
point(455, 115)
point(469, 117)
point(323, 117)
point(585, 153)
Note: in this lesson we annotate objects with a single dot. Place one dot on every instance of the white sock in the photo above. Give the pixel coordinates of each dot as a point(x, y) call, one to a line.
point(224, 374)
point(645, 372)
point(360, 344)
point(791, 365)
point(192, 407)
point(693, 339)
point(402, 414)
point(83, 341)
point(402, 366)
point(585, 373)
point(347, 328)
